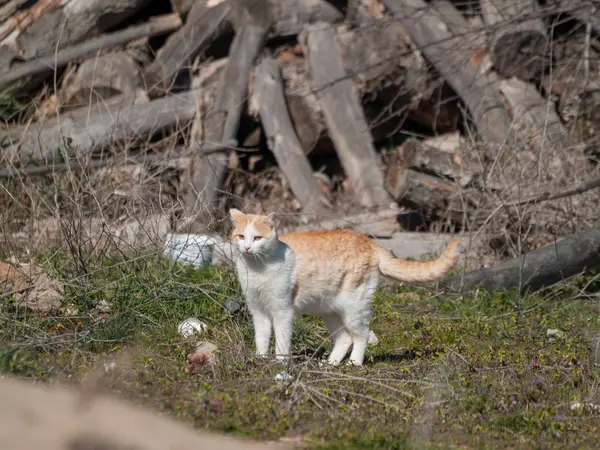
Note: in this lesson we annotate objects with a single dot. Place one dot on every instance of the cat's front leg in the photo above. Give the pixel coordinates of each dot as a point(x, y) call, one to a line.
point(262, 331)
point(283, 323)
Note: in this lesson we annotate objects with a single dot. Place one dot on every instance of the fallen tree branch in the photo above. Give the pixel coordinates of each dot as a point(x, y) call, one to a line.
point(62, 24)
point(540, 268)
point(82, 130)
point(282, 137)
point(156, 26)
point(78, 166)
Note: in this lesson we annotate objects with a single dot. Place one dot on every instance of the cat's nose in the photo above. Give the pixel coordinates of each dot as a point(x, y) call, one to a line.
point(247, 247)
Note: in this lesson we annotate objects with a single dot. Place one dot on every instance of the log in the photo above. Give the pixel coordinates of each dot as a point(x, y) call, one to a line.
point(537, 124)
point(416, 245)
point(437, 197)
point(48, 64)
point(446, 52)
point(208, 174)
point(288, 16)
point(421, 157)
point(519, 41)
point(409, 180)
point(97, 79)
point(536, 270)
point(281, 18)
point(87, 129)
point(345, 119)
point(60, 25)
point(388, 74)
point(202, 26)
point(282, 138)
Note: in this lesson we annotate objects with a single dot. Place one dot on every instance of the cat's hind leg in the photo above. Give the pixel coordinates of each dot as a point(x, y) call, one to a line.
point(358, 318)
point(341, 338)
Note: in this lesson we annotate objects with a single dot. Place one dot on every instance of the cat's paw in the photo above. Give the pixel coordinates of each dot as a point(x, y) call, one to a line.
point(332, 362)
point(351, 363)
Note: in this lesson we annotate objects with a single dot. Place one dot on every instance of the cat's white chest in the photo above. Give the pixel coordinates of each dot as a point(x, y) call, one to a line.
point(265, 284)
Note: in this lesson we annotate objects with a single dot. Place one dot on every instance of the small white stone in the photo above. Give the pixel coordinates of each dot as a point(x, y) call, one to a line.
point(575, 406)
point(109, 366)
point(191, 326)
point(283, 376)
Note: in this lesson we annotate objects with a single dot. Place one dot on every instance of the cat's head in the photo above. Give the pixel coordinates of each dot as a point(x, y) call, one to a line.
point(253, 234)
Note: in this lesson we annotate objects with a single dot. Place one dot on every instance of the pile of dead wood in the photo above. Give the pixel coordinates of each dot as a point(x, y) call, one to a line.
point(465, 114)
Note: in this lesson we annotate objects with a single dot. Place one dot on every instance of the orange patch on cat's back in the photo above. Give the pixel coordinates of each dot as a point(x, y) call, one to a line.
point(341, 256)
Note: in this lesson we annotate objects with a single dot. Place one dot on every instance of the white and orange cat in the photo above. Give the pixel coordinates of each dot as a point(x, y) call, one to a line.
point(332, 273)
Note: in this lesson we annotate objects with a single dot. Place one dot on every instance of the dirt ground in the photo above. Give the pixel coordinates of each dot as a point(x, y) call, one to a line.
point(58, 418)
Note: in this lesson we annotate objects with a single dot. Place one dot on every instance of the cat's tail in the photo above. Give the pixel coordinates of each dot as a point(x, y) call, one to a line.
point(402, 270)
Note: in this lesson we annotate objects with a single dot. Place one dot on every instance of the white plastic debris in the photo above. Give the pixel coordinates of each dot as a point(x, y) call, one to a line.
point(196, 249)
point(283, 376)
point(191, 326)
point(110, 366)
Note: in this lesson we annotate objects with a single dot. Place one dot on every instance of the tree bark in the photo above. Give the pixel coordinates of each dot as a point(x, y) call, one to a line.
point(447, 54)
point(282, 138)
point(345, 119)
point(540, 268)
point(518, 40)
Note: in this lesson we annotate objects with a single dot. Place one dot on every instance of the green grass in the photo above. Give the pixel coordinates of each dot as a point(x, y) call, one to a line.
point(448, 372)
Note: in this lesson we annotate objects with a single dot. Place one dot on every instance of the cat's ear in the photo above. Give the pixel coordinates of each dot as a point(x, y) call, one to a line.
point(236, 215)
point(272, 221)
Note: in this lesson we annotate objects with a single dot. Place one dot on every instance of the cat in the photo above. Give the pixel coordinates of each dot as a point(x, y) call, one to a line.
point(330, 273)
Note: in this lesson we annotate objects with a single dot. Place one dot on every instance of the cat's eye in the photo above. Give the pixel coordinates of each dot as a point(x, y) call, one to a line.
point(257, 238)
point(240, 236)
